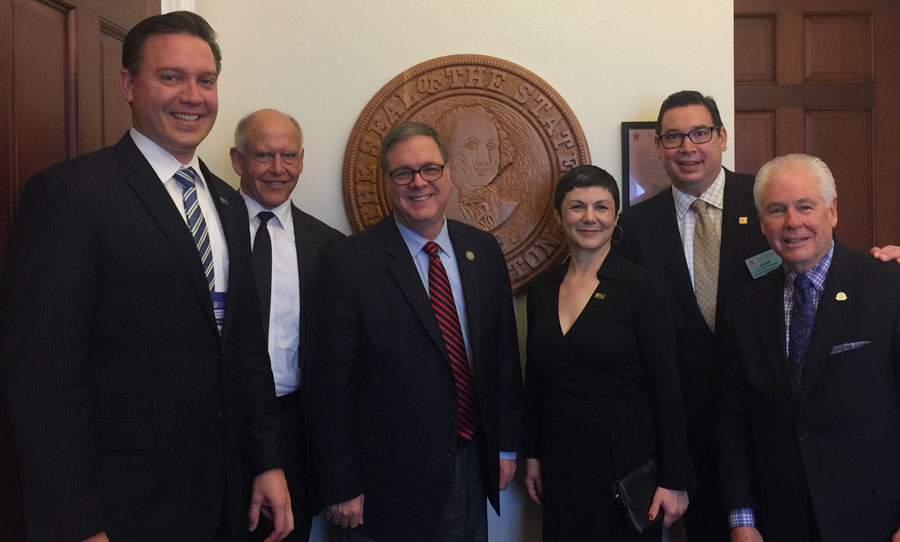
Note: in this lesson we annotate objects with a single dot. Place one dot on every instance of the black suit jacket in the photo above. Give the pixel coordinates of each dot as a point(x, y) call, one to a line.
point(837, 443)
point(651, 239)
point(381, 393)
point(131, 413)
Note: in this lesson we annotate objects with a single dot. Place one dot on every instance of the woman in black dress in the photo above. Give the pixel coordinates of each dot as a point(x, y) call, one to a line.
point(601, 388)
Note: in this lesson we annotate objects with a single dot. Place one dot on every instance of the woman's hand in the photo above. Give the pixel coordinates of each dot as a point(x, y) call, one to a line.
point(533, 480)
point(673, 502)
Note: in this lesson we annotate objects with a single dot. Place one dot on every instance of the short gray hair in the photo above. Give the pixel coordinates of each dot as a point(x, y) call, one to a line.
point(240, 132)
point(814, 165)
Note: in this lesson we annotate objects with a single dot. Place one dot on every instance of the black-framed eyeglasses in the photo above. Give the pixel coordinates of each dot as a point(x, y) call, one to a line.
point(700, 134)
point(429, 173)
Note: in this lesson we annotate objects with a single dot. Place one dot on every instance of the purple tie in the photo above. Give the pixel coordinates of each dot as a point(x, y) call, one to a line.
point(803, 318)
point(448, 320)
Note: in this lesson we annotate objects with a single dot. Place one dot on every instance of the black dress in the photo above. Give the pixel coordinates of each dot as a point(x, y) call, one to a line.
point(602, 399)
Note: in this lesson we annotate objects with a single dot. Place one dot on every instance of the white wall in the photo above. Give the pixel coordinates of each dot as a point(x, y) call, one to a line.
point(321, 61)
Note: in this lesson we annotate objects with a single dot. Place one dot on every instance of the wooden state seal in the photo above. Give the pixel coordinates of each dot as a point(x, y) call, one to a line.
point(510, 137)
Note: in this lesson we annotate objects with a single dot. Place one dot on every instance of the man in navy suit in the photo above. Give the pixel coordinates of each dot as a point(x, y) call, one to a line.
point(809, 435)
point(134, 365)
point(414, 382)
point(287, 244)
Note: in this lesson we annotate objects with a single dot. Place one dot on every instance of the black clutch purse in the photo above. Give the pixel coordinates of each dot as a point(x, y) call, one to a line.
point(634, 491)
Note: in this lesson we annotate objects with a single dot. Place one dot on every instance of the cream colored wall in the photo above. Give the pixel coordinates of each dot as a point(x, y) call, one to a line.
point(321, 61)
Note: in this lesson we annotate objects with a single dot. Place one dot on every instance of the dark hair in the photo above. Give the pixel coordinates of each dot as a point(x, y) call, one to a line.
point(175, 22)
point(689, 97)
point(408, 130)
point(583, 177)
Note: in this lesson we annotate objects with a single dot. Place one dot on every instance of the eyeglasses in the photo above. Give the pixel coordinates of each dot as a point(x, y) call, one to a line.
point(287, 158)
point(428, 172)
point(673, 140)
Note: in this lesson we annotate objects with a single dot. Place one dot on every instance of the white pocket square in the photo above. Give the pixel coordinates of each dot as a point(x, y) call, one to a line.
point(849, 346)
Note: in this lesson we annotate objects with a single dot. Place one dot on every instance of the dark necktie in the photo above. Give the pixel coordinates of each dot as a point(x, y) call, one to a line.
point(186, 177)
point(262, 267)
point(803, 319)
point(448, 320)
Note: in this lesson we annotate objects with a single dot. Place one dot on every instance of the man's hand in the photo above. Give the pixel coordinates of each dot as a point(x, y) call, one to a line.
point(507, 471)
point(270, 495)
point(673, 502)
point(896, 537)
point(99, 537)
point(887, 253)
point(533, 480)
point(347, 514)
point(746, 534)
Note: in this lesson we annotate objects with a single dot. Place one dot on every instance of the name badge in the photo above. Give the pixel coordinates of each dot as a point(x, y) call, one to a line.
point(762, 263)
point(218, 299)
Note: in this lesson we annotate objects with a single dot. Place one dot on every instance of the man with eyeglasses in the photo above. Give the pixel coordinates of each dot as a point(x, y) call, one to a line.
point(413, 381)
point(287, 244)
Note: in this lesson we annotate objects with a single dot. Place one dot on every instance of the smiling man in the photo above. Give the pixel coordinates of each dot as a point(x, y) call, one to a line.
point(413, 380)
point(133, 365)
point(809, 436)
point(287, 244)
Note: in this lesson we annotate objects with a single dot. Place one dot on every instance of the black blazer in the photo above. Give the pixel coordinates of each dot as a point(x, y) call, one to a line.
point(838, 442)
point(651, 239)
point(380, 390)
point(130, 412)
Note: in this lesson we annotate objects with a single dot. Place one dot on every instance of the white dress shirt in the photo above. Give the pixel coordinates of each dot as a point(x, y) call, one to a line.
point(165, 165)
point(284, 311)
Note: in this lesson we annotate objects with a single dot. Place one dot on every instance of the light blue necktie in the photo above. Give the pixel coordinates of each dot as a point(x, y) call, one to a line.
point(187, 177)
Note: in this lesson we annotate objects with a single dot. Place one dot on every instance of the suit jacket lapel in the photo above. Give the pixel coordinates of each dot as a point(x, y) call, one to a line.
point(738, 202)
point(468, 275)
point(403, 268)
point(143, 180)
point(831, 315)
point(770, 319)
point(307, 254)
point(668, 244)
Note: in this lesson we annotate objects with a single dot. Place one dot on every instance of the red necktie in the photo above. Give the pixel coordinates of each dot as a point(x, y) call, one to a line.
point(448, 320)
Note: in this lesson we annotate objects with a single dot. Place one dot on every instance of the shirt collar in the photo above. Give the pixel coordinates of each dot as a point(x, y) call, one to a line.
point(817, 274)
point(163, 163)
point(415, 242)
point(282, 212)
point(714, 196)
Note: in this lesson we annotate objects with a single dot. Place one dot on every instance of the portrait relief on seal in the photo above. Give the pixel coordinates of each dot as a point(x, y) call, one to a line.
point(510, 137)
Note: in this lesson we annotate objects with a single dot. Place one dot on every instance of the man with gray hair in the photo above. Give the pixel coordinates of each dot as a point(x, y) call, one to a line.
point(287, 243)
point(809, 435)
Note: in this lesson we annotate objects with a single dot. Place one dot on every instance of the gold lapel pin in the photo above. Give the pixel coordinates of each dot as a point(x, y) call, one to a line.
point(742, 220)
point(223, 200)
point(599, 295)
point(841, 296)
point(470, 255)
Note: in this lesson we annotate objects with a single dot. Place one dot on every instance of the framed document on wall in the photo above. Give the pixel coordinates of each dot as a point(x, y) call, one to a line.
point(643, 175)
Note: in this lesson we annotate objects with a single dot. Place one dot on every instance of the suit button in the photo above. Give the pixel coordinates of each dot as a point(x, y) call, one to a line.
point(220, 416)
point(450, 452)
point(802, 435)
point(453, 405)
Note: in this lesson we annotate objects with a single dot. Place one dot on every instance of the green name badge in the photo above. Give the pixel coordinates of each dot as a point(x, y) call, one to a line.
point(762, 263)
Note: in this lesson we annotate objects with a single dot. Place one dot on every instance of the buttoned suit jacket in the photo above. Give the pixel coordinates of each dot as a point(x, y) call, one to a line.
point(836, 443)
point(382, 397)
point(651, 238)
point(131, 413)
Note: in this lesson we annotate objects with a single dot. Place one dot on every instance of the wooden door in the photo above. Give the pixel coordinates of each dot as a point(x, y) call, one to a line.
point(59, 97)
point(822, 77)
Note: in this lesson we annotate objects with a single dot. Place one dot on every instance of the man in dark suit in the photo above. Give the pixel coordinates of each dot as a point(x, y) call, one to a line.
point(414, 381)
point(287, 244)
point(809, 436)
point(659, 234)
point(134, 368)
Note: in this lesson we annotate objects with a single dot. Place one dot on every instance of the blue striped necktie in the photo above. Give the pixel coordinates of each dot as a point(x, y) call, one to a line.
point(186, 177)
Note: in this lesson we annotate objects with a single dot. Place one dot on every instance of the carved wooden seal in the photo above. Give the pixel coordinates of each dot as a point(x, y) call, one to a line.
point(510, 137)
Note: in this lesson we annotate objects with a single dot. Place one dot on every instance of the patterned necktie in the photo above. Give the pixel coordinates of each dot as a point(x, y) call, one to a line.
point(448, 320)
point(186, 177)
point(262, 267)
point(706, 262)
point(803, 318)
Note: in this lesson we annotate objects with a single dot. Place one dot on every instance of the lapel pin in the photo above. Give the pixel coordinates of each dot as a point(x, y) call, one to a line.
point(470, 255)
point(599, 295)
point(742, 220)
point(841, 296)
point(223, 200)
